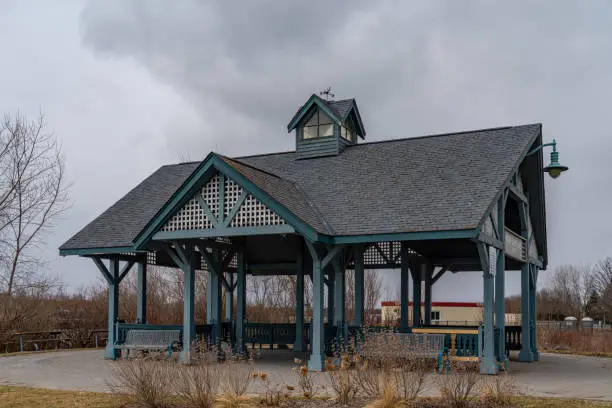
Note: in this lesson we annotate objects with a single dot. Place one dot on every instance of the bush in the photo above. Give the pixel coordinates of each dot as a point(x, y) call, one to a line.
point(197, 384)
point(459, 387)
point(146, 383)
point(501, 391)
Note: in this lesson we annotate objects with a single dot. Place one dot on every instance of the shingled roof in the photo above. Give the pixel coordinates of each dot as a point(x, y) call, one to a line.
point(431, 183)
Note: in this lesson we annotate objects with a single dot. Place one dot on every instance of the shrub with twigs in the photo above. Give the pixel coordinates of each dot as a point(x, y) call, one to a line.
point(305, 379)
point(146, 383)
point(461, 385)
point(197, 384)
point(342, 382)
point(501, 391)
point(273, 392)
point(236, 378)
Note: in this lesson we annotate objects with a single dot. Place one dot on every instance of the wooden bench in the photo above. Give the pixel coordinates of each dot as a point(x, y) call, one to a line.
point(149, 340)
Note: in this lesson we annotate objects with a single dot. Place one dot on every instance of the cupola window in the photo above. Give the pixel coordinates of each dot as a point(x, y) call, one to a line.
point(347, 131)
point(319, 125)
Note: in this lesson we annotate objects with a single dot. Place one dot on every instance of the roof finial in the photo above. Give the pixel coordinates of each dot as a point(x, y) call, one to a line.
point(327, 93)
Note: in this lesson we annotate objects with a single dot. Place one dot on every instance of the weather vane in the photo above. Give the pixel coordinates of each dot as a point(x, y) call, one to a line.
point(327, 93)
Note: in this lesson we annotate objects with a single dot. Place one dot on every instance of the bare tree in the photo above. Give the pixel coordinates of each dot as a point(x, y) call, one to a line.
point(602, 282)
point(372, 283)
point(33, 192)
point(569, 289)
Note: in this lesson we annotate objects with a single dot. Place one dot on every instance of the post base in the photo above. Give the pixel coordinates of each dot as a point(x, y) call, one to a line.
point(536, 355)
point(488, 366)
point(316, 362)
point(298, 347)
point(110, 353)
point(185, 357)
point(526, 356)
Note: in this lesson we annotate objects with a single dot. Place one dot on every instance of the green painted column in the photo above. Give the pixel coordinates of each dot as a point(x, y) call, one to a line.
point(488, 363)
point(339, 294)
point(500, 283)
point(298, 345)
point(526, 353)
point(331, 278)
point(358, 307)
point(404, 286)
point(229, 297)
point(428, 269)
point(416, 270)
point(216, 296)
point(533, 313)
point(141, 307)
point(317, 342)
point(113, 308)
point(500, 305)
point(188, 308)
point(240, 301)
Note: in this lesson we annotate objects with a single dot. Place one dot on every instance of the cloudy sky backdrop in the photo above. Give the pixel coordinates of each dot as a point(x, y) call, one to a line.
point(130, 85)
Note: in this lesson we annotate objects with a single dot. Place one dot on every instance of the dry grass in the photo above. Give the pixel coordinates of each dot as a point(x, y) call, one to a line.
point(18, 397)
point(13, 397)
point(585, 342)
point(145, 383)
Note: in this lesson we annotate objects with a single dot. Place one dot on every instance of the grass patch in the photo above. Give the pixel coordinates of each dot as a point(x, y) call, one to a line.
point(13, 397)
point(537, 402)
point(578, 353)
point(18, 397)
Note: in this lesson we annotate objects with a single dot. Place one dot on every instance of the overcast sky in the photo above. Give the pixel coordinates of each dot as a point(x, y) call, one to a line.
point(130, 85)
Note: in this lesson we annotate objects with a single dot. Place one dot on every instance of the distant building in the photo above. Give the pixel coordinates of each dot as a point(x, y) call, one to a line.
point(467, 313)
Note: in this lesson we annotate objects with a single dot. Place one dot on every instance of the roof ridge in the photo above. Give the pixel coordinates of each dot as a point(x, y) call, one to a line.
point(375, 142)
point(252, 167)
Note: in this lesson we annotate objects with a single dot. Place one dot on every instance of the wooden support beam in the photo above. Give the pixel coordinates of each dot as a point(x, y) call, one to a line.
point(103, 269)
point(440, 273)
point(211, 217)
point(125, 270)
point(516, 193)
point(234, 211)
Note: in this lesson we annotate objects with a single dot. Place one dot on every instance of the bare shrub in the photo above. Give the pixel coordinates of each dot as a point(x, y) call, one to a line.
point(273, 392)
point(389, 398)
point(459, 386)
point(342, 381)
point(410, 377)
point(501, 391)
point(145, 383)
point(197, 384)
point(236, 378)
point(304, 379)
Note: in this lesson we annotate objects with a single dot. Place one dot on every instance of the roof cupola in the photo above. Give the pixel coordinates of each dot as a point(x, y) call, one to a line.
point(325, 127)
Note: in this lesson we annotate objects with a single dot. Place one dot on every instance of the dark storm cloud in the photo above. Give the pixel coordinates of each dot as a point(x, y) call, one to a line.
point(415, 68)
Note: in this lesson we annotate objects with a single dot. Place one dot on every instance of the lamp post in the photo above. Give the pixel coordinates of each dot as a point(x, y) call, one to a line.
point(554, 169)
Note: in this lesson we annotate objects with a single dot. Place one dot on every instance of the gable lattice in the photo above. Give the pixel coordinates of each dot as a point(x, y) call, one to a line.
point(253, 213)
point(193, 215)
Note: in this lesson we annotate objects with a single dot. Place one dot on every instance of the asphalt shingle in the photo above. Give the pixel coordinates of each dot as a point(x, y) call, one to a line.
point(431, 183)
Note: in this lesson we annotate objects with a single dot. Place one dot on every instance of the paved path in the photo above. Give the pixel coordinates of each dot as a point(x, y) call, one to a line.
point(553, 376)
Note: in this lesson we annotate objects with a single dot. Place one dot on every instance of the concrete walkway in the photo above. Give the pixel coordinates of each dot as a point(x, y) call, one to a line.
point(553, 376)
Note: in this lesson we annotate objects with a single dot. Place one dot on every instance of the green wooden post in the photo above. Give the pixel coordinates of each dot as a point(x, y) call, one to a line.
point(188, 306)
point(331, 277)
point(113, 308)
point(500, 283)
point(533, 312)
point(141, 307)
point(416, 271)
point(428, 269)
point(526, 353)
point(358, 307)
point(404, 286)
point(216, 295)
point(229, 297)
point(488, 364)
point(240, 301)
point(298, 345)
point(339, 291)
point(317, 352)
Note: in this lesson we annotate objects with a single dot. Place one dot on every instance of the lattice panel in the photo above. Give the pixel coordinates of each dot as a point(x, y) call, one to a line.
point(372, 255)
point(192, 216)
point(210, 192)
point(232, 193)
point(253, 213)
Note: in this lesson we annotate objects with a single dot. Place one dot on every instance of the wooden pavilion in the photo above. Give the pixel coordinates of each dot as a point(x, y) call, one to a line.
point(465, 201)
